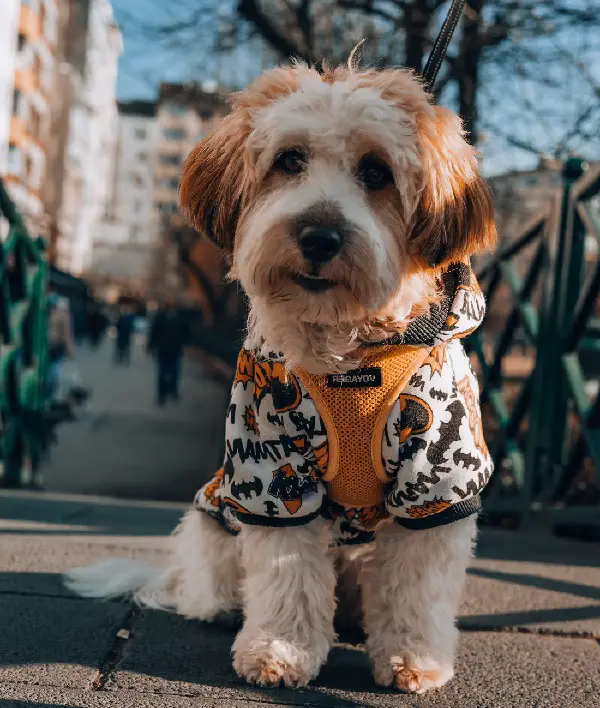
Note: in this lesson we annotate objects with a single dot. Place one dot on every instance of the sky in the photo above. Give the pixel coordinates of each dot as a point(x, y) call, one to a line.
point(140, 68)
point(144, 63)
point(510, 104)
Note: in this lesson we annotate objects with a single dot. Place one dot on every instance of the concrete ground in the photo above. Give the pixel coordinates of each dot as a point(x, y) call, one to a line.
point(124, 445)
point(530, 624)
point(530, 619)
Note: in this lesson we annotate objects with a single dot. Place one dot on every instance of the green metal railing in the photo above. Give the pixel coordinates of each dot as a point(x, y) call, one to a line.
point(545, 423)
point(23, 325)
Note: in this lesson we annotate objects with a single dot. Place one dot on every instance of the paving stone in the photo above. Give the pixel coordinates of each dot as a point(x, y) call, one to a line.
point(172, 656)
point(72, 514)
point(42, 537)
point(26, 696)
point(34, 566)
point(124, 445)
point(533, 581)
point(55, 641)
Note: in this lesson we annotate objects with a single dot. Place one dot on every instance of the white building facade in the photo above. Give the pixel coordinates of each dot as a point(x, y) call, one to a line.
point(125, 242)
point(88, 170)
point(9, 22)
point(28, 41)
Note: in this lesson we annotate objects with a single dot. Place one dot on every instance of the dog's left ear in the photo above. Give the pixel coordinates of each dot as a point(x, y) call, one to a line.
point(215, 181)
point(455, 217)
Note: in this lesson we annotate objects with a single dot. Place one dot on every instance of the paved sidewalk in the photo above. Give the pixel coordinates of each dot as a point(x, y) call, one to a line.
point(530, 624)
point(124, 445)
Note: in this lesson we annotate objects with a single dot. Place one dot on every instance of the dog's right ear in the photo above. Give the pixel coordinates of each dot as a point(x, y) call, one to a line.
point(215, 181)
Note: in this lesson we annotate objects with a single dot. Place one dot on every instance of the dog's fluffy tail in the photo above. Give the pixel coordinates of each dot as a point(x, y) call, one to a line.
point(146, 585)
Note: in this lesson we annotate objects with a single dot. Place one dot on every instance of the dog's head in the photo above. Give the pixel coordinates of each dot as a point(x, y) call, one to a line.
point(332, 191)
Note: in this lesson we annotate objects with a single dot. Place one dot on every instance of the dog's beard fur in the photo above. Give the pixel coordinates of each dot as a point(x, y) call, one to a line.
point(383, 274)
point(374, 296)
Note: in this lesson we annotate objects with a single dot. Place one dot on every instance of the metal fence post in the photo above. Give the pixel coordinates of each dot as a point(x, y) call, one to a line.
point(23, 326)
point(548, 412)
point(569, 273)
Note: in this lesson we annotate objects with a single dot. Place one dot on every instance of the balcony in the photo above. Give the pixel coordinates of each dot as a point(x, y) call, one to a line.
point(30, 24)
point(17, 131)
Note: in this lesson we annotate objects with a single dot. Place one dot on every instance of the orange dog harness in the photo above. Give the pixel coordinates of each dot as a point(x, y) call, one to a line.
point(355, 475)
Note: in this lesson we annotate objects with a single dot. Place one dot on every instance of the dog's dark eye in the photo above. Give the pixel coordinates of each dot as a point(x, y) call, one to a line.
point(374, 173)
point(291, 161)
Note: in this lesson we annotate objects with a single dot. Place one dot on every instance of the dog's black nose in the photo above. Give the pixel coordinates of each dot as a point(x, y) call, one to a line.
point(320, 244)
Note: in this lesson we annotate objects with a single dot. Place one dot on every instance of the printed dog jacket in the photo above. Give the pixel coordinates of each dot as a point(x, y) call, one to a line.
point(399, 436)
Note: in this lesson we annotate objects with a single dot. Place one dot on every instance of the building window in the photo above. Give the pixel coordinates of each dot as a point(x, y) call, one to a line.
point(206, 115)
point(140, 133)
point(142, 156)
point(167, 207)
point(35, 123)
point(136, 179)
point(43, 15)
point(168, 182)
point(16, 104)
point(135, 233)
point(14, 159)
point(28, 167)
point(137, 206)
point(174, 159)
point(174, 134)
point(176, 109)
point(37, 70)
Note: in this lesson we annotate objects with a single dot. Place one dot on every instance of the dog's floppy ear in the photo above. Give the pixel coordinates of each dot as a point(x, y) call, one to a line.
point(455, 217)
point(214, 181)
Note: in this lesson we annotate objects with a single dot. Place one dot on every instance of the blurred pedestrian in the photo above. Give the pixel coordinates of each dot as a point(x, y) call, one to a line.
point(124, 327)
point(168, 336)
point(60, 340)
point(97, 323)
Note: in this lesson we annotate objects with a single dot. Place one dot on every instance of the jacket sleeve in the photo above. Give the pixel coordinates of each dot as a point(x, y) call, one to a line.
point(269, 477)
point(434, 447)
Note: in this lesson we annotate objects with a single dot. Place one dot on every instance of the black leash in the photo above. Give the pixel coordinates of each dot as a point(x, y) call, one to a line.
point(440, 46)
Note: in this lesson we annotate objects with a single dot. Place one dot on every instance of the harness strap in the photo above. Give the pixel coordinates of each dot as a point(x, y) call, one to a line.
point(355, 418)
point(440, 46)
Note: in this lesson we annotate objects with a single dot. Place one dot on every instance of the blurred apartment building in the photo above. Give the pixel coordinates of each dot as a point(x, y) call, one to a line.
point(185, 114)
point(28, 57)
point(138, 243)
point(125, 242)
point(58, 68)
point(92, 45)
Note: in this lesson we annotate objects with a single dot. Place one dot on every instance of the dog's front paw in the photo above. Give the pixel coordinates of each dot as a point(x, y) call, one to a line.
point(270, 662)
point(409, 674)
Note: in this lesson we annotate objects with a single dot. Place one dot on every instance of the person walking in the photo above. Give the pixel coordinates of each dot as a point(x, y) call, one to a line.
point(124, 327)
point(167, 338)
point(97, 322)
point(60, 340)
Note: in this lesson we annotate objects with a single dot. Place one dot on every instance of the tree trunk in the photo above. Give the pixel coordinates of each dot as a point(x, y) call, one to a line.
point(417, 18)
point(468, 68)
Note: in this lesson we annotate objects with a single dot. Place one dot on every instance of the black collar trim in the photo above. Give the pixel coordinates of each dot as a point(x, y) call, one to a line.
point(424, 329)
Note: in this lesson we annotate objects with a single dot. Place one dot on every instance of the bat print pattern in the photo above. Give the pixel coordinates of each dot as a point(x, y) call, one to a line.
point(432, 445)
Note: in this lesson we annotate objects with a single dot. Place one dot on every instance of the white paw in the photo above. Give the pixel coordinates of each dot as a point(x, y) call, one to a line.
point(409, 674)
point(269, 661)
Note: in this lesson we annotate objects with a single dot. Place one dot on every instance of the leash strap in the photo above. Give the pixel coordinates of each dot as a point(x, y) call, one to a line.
point(440, 45)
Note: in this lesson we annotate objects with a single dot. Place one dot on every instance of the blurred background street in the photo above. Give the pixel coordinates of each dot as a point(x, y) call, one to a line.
point(124, 445)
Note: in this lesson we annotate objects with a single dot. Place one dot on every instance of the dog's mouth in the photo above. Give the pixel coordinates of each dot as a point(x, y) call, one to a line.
point(313, 283)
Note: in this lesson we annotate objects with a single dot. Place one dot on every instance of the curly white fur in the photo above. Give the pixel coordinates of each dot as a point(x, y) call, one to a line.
point(289, 604)
point(412, 584)
point(434, 210)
